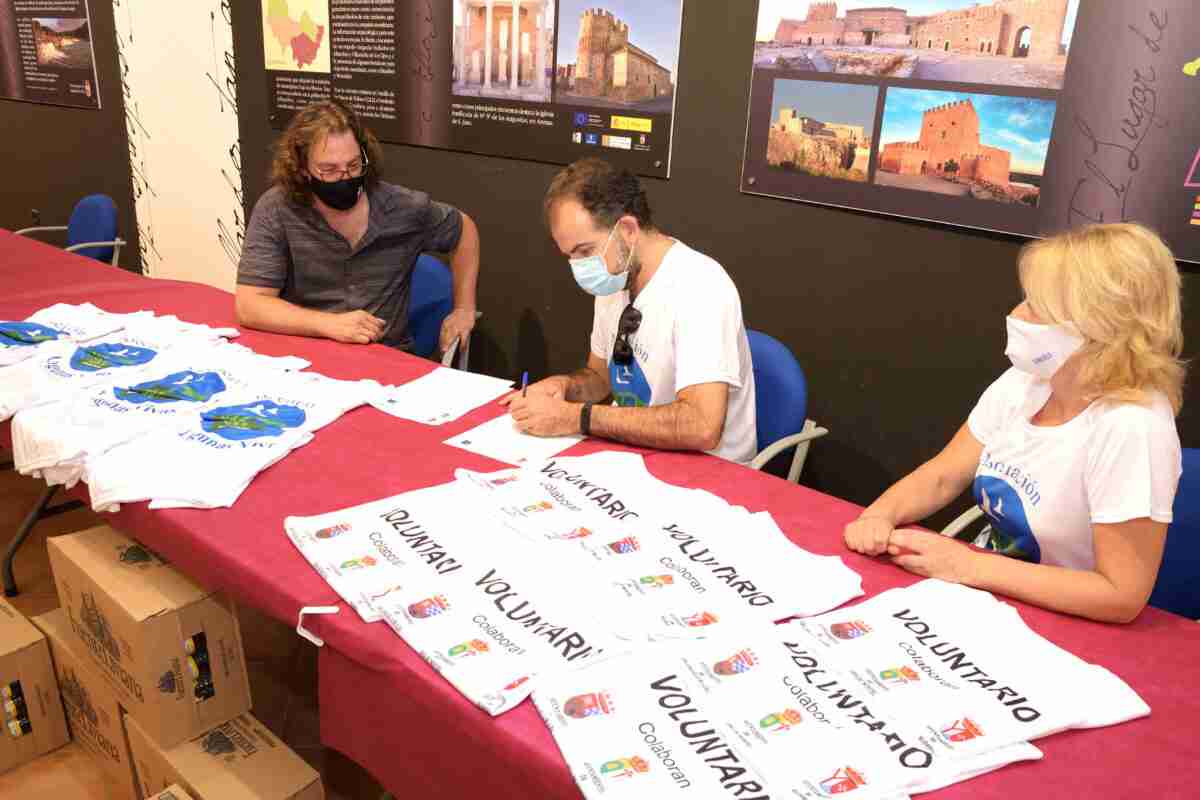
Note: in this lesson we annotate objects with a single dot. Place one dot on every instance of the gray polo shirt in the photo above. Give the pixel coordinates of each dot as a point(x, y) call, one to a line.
point(293, 249)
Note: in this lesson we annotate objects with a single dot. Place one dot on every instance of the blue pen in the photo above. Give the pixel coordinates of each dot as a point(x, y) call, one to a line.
point(524, 382)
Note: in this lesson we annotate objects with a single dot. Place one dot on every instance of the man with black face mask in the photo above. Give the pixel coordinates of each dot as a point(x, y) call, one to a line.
point(330, 247)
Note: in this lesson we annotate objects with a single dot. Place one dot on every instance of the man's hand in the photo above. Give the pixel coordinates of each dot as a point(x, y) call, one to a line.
point(456, 327)
point(540, 414)
point(354, 327)
point(554, 387)
point(933, 556)
point(868, 535)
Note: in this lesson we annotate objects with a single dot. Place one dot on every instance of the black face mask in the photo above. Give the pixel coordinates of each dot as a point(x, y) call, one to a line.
point(341, 195)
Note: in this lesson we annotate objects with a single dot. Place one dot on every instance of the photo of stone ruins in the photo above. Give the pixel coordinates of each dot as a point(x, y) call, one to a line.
point(1005, 43)
point(822, 129)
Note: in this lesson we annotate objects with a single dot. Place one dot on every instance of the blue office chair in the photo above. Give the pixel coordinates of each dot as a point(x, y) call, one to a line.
point(1178, 586)
point(91, 231)
point(430, 300)
point(781, 402)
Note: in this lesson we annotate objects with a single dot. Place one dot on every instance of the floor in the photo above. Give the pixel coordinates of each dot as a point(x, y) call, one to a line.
point(282, 667)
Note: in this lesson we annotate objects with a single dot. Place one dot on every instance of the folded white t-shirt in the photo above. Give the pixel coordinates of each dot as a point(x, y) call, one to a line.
point(458, 588)
point(906, 646)
point(60, 322)
point(674, 561)
point(61, 368)
point(706, 718)
point(186, 379)
point(210, 457)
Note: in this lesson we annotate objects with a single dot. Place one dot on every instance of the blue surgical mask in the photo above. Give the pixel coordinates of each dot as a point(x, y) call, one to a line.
point(592, 273)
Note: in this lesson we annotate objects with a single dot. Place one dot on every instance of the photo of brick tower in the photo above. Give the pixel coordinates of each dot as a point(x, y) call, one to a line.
point(978, 146)
point(999, 43)
point(504, 49)
point(822, 129)
point(621, 55)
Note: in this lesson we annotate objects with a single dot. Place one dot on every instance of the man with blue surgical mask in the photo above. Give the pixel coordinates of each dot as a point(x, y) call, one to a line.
point(669, 365)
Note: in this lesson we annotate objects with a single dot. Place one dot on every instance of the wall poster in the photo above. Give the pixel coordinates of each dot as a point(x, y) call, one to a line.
point(545, 80)
point(46, 53)
point(1019, 116)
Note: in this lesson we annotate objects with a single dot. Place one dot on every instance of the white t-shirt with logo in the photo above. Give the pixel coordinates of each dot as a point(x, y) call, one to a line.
point(59, 322)
point(1043, 488)
point(209, 458)
point(63, 367)
point(55, 440)
point(691, 333)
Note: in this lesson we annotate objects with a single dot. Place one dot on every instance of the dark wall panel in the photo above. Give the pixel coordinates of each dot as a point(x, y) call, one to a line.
point(55, 155)
point(899, 325)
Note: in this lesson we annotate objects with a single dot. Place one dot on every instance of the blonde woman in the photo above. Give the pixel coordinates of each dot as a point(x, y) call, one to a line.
point(1073, 452)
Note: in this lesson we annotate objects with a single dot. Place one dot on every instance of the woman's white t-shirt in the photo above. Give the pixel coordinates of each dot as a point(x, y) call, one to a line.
point(1043, 488)
point(691, 333)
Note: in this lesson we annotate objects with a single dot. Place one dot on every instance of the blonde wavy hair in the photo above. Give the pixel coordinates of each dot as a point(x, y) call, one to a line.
point(1119, 286)
point(308, 127)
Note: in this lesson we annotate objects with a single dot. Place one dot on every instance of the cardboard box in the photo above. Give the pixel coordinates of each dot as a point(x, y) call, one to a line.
point(171, 649)
point(91, 703)
point(30, 711)
point(239, 760)
point(172, 792)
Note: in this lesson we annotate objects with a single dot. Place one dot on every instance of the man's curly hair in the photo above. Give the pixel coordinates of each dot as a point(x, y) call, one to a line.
point(310, 125)
point(604, 192)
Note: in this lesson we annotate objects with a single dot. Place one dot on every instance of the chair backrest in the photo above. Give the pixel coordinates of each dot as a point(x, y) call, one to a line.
point(94, 219)
point(1178, 586)
point(430, 299)
point(780, 389)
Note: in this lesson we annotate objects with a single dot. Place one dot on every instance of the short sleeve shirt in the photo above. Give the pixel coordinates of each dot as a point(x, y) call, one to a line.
point(292, 248)
point(691, 333)
point(1043, 488)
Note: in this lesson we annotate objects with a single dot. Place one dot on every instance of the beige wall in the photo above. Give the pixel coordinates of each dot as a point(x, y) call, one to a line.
point(191, 217)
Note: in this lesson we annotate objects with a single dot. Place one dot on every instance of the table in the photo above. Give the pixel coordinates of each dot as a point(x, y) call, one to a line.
point(388, 710)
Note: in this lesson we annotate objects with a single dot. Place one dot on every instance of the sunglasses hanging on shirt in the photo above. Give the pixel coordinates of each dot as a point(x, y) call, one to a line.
point(627, 326)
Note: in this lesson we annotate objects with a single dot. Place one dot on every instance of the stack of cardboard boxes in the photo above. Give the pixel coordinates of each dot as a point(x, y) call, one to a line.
point(33, 717)
point(153, 677)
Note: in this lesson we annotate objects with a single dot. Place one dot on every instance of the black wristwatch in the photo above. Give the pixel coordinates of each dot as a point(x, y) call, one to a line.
point(585, 419)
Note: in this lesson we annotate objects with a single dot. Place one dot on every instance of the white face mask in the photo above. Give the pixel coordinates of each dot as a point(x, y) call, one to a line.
point(1040, 350)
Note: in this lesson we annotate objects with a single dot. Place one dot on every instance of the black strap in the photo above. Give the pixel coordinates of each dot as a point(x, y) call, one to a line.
point(585, 419)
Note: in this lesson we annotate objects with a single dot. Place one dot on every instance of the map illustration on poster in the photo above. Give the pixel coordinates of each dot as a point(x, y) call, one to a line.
point(296, 37)
point(1020, 116)
point(46, 53)
point(543, 80)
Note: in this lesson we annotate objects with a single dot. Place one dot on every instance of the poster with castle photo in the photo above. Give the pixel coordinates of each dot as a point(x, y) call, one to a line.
point(544, 80)
point(1020, 116)
point(982, 146)
point(623, 56)
point(1001, 43)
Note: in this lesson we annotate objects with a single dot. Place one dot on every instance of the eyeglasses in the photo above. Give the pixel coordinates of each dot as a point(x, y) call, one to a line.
point(354, 169)
point(627, 326)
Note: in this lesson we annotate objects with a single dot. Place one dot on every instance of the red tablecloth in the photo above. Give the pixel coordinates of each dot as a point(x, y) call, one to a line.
point(386, 708)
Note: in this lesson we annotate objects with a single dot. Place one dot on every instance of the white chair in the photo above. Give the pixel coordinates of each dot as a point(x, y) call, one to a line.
point(962, 521)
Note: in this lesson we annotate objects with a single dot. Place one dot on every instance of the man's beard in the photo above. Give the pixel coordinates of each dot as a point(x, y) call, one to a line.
point(635, 263)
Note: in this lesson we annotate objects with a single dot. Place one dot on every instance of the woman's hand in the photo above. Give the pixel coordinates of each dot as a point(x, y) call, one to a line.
point(932, 555)
point(868, 535)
